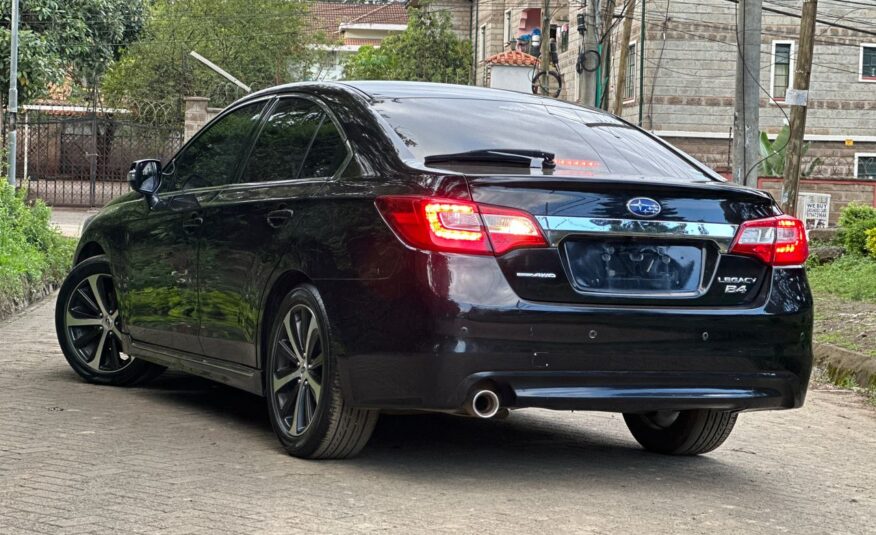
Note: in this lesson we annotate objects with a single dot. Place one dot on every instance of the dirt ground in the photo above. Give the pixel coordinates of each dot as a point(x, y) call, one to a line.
point(845, 323)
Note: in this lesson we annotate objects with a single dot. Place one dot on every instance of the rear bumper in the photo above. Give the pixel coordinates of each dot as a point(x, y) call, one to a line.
point(428, 346)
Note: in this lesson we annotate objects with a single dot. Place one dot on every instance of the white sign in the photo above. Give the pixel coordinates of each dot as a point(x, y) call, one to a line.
point(814, 209)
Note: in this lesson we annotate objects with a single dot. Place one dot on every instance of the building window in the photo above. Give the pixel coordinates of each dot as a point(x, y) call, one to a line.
point(564, 37)
point(482, 41)
point(630, 82)
point(782, 73)
point(507, 29)
point(865, 165)
point(868, 63)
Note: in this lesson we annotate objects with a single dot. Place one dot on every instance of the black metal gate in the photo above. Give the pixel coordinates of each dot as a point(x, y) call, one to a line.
point(83, 160)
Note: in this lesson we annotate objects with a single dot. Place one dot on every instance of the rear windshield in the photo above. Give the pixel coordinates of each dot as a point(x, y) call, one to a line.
point(584, 142)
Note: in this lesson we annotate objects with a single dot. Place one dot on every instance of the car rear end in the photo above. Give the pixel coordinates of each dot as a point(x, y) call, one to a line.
point(587, 286)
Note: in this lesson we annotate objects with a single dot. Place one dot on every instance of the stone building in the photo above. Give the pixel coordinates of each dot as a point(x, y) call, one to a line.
point(689, 55)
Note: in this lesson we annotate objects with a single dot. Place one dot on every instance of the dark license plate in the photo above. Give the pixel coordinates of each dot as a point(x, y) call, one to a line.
point(631, 267)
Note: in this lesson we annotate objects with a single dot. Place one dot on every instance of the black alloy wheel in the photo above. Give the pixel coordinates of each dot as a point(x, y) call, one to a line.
point(88, 326)
point(297, 375)
point(306, 406)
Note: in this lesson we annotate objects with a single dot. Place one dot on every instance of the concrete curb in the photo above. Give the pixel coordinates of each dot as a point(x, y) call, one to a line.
point(842, 363)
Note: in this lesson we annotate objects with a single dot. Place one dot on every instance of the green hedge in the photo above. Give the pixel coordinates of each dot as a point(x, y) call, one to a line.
point(33, 254)
point(855, 221)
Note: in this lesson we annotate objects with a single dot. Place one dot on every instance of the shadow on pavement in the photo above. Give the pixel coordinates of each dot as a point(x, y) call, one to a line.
point(527, 444)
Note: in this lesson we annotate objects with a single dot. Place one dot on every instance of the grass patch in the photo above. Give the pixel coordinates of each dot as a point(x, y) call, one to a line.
point(850, 276)
point(33, 254)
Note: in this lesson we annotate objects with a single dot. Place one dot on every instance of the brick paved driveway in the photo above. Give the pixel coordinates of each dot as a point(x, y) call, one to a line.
point(183, 455)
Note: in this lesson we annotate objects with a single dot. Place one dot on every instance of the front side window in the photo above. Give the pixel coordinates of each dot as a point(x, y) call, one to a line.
point(299, 140)
point(212, 158)
point(630, 82)
point(781, 69)
point(868, 63)
point(865, 166)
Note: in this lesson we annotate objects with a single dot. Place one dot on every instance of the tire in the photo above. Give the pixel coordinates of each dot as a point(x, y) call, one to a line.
point(313, 422)
point(690, 432)
point(86, 323)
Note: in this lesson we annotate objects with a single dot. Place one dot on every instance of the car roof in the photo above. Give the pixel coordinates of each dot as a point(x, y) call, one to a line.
point(385, 89)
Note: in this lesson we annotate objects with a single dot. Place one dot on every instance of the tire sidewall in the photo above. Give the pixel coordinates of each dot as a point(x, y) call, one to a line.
point(308, 442)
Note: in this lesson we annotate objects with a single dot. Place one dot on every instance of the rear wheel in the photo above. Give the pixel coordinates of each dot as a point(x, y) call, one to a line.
point(87, 325)
point(305, 403)
point(681, 432)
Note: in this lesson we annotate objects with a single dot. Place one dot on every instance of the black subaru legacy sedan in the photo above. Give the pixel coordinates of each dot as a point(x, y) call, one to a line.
point(347, 248)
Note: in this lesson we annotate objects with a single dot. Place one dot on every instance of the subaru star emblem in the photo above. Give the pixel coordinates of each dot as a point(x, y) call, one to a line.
point(643, 207)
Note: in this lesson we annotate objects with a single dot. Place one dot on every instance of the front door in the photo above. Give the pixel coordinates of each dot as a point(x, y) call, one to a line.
point(161, 274)
point(248, 227)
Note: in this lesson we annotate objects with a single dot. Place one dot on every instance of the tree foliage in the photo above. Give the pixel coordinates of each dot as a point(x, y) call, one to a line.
point(427, 51)
point(66, 38)
point(259, 42)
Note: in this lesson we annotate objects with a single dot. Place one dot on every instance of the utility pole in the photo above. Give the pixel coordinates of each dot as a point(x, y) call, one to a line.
point(545, 47)
point(12, 109)
point(587, 79)
point(642, 64)
point(621, 80)
point(605, 51)
point(798, 98)
point(746, 118)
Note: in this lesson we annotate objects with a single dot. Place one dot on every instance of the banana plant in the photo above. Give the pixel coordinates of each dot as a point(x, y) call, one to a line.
point(773, 154)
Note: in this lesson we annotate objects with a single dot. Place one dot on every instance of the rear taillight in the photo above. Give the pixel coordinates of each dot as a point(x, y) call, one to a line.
point(779, 241)
point(455, 226)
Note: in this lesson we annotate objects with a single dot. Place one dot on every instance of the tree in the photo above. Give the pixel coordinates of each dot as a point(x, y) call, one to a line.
point(58, 39)
point(260, 42)
point(427, 50)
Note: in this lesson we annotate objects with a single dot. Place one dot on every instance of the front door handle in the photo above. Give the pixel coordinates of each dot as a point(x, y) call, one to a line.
point(194, 222)
point(278, 218)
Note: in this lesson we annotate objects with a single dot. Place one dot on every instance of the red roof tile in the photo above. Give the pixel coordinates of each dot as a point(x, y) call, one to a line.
point(327, 17)
point(512, 57)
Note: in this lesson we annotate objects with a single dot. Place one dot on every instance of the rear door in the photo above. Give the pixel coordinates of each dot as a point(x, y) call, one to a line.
point(267, 214)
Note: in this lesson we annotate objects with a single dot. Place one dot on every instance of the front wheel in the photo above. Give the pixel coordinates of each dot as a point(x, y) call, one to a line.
point(87, 325)
point(691, 432)
point(305, 403)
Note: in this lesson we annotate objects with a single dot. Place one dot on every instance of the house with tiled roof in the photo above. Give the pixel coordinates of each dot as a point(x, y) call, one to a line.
point(345, 28)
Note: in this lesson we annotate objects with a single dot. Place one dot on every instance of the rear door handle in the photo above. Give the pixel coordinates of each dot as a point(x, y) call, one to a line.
point(278, 218)
point(194, 222)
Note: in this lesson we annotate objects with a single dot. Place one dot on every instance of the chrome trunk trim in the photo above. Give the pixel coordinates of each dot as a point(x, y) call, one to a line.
point(559, 227)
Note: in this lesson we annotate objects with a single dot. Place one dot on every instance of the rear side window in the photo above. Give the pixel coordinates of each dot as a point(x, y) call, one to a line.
point(585, 143)
point(298, 140)
point(212, 158)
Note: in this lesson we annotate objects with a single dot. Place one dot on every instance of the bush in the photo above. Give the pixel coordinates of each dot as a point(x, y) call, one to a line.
point(870, 244)
point(32, 253)
point(855, 221)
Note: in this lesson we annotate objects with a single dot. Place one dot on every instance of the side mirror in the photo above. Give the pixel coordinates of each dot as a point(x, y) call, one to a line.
point(145, 178)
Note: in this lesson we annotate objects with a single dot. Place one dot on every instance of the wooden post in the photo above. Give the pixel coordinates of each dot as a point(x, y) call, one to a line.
point(746, 119)
point(798, 99)
point(621, 80)
point(545, 47)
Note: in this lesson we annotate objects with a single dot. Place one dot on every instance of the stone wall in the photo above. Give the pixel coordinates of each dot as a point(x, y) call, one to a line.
point(842, 192)
point(197, 114)
point(837, 159)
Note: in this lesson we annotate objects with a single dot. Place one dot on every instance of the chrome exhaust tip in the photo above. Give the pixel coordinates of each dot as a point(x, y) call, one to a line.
point(483, 404)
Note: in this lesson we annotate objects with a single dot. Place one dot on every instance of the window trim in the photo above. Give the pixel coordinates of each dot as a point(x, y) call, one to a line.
point(792, 62)
point(307, 180)
point(632, 99)
point(861, 77)
point(858, 156)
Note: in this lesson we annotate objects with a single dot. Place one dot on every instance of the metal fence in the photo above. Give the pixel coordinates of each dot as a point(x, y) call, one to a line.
point(83, 160)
